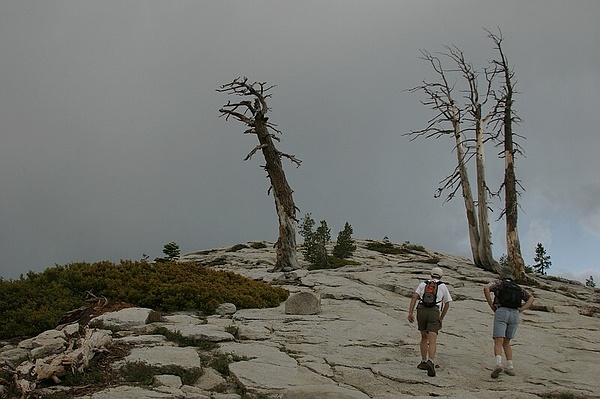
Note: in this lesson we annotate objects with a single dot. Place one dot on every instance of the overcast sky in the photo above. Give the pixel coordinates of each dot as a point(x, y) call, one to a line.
point(112, 145)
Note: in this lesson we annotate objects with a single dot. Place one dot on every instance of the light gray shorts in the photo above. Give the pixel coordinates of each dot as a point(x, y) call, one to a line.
point(506, 321)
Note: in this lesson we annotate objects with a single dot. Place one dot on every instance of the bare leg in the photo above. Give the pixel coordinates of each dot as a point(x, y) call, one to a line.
point(507, 348)
point(432, 345)
point(498, 344)
point(424, 344)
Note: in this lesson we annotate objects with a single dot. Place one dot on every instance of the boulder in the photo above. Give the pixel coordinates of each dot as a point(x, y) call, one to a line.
point(226, 309)
point(124, 318)
point(211, 381)
point(167, 380)
point(158, 356)
point(303, 303)
point(14, 356)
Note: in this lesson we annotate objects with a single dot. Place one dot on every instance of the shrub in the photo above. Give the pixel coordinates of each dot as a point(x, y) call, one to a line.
point(258, 245)
point(385, 247)
point(37, 302)
point(236, 248)
point(333, 263)
point(408, 247)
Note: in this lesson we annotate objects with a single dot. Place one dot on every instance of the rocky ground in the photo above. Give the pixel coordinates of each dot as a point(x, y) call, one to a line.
point(360, 345)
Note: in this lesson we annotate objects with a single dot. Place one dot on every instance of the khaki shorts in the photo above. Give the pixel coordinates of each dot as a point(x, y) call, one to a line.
point(428, 319)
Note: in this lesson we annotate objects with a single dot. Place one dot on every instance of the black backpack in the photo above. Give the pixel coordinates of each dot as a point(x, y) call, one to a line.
point(509, 294)
point(430, 294)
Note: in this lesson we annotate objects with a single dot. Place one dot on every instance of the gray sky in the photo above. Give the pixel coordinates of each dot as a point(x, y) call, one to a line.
point(112, 145)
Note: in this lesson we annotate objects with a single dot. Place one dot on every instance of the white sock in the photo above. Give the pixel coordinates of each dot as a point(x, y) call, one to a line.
point(510, 364)
point(499, 360)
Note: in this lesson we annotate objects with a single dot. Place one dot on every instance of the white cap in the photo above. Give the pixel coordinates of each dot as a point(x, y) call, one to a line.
point(437, 272)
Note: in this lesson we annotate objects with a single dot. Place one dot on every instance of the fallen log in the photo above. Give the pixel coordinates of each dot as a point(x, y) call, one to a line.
point(76, 359)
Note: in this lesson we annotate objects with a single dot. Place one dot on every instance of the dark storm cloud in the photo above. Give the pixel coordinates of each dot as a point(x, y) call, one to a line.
point(112, 143)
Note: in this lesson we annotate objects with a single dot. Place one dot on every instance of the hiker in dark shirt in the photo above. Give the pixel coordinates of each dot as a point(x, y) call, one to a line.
point(506, 317)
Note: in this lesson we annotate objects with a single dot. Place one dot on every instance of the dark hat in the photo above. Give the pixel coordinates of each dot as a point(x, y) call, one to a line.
point(507, 272)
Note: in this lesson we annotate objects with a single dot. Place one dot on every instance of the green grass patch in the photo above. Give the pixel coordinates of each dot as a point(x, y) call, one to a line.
point(143, 374)
point(221, 362)
point(180, 340)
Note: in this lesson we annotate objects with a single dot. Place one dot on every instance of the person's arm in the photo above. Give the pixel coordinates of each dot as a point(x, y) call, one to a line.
point(444, 311)
point(527, 304)
point(411, 307)
point(488, 297)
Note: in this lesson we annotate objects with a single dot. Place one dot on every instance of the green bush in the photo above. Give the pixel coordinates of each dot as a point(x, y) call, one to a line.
point(333, 263)
point(236, 248)
point(385, 247)
point(37, 302)
point(258, 245)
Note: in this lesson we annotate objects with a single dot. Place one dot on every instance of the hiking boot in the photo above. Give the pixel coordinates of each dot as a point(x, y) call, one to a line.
point(510, 372)
point(430, 368)
point(422, 365)
point(497, 370)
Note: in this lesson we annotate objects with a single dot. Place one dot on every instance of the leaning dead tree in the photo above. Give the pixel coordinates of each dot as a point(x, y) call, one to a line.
point(466, 122)
point(506, 119)
point(252, 111)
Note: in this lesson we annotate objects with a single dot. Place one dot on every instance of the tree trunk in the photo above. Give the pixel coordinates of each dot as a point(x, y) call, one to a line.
point(467, 195)
point(485, 241)
point(513, 246)
point(287, 259)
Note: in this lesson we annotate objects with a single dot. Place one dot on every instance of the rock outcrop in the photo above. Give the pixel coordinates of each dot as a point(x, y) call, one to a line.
point(355, 342)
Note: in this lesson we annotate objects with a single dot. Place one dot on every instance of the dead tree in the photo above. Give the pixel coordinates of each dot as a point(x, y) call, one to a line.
point(440, 98)
point(506, 120)
point(252, 111)
point(479, 120)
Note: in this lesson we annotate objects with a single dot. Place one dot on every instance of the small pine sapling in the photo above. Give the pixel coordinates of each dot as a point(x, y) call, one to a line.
point(344, 247)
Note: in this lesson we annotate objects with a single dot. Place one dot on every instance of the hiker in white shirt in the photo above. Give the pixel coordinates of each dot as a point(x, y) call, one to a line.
point(429, 319)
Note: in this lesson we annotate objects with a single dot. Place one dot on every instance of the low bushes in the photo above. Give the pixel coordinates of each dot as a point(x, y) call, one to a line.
point(37, 301)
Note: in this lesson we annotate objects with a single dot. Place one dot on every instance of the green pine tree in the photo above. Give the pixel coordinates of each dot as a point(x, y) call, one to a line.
point(542, 260)
point(171, 251)
point(314, 249)
point(344, 247)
